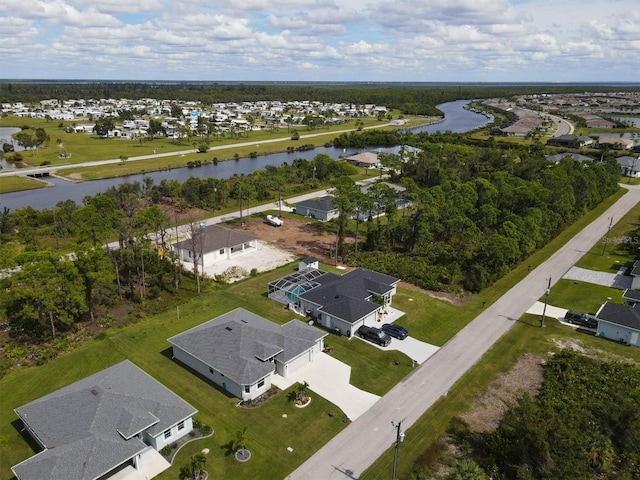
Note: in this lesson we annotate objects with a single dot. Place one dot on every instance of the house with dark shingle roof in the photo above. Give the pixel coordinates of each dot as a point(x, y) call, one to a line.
point(241, 351)
point(215, 243)
point(321, 208)
point(343, 303)
point(619, 322)
point(114, 420)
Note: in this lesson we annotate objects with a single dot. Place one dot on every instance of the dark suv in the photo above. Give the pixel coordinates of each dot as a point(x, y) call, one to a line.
point(374, 335)
point(395, 331)
point(581, 319)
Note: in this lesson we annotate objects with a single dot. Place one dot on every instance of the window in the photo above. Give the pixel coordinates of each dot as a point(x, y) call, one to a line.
point(247, 389)
point(210, 370)
point(181, 426)
point(261, 383)
point(167, 434)
point(222, 251)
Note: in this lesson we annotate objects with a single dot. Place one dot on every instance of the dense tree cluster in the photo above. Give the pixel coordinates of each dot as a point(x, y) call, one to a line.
point(584, 423)
point(477, 211)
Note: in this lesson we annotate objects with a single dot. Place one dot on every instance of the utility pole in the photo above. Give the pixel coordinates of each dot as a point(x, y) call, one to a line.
point(546, 301)
point(399, 439)
point(606, 237)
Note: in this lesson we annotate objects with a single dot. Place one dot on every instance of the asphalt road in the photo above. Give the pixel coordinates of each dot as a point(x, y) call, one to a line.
point(359, 445)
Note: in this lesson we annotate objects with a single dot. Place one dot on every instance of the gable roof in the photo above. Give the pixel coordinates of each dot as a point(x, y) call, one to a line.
point(631, 295)
point(618, 314)
point(215, 237)
point(239, 344)
point(347, 296)
point(322, 204)
point(89, 427)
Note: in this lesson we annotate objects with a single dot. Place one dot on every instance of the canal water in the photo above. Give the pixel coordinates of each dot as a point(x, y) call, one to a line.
point(457, 119)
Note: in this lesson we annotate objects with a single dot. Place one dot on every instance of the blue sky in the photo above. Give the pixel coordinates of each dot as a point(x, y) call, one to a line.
point(322, 40)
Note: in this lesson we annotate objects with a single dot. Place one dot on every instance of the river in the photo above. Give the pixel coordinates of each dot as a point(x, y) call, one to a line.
point(457, 119)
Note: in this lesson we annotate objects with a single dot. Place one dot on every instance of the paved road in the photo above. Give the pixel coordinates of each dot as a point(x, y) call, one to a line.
point(359, 445)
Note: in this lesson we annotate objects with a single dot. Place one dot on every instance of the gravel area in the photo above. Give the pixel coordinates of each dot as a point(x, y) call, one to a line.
point(616, 280)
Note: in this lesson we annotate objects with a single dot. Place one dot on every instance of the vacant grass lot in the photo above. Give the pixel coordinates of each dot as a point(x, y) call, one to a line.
point(15, 183)
point(581, 296)
point(613, 251)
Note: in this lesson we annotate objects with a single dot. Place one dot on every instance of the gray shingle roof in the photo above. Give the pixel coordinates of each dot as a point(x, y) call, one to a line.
point(620, 315)
point(239, 344)
point(630, 294)
point(215, 237)
point(346, 296)
point(322, 204)
point(89, 427)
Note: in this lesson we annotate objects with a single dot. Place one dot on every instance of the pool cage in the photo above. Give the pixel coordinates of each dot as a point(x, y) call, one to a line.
point(287, 290)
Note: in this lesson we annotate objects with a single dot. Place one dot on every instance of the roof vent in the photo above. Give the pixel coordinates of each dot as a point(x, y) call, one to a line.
point(337, 296)
point(94, 392)
point(229, 329)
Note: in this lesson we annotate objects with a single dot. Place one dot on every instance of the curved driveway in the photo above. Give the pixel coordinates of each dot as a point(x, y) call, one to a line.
point(358, 446)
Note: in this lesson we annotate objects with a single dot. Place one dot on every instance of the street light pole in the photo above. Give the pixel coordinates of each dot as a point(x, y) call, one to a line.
point(399, 438)
point(546, 301)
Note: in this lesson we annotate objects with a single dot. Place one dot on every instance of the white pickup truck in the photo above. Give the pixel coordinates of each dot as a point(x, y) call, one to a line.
point(273, 220)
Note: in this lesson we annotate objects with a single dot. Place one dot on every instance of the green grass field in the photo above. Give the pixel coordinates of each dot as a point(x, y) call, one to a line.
point(15, 183)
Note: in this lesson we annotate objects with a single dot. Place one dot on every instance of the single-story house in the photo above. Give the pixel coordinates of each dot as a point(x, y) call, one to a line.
point(215, 243)
point(364, 159)
point(619, 322)
point(343, 303)
point(616, 143)
point(321, 208)
point(96, 427)
point(557, 158)
point(241, 351)
point(629, 166)
point(570, 141)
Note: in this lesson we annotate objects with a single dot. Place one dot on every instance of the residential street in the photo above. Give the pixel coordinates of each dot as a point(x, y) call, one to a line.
point(359, 445)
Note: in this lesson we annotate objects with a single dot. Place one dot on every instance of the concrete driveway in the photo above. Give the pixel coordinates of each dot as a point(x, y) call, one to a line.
point(329, 378)
point(416, 350)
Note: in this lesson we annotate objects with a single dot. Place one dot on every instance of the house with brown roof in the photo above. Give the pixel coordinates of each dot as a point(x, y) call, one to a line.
point(214, 243)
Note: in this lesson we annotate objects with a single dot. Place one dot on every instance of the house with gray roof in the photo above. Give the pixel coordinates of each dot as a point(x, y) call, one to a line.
point(619, 322)
point(241, 351)
point(114, 420)
point(321, 208)
point(570, 141)
point(343, 303)
point(629, 166)
point(214, 243)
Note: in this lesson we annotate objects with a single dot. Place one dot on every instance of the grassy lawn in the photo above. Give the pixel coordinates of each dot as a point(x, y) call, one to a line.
point(612, 252)
point(581, 296)
point(15, 183)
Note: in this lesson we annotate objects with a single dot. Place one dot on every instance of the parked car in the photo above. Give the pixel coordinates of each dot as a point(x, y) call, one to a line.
point(396, 331)
point(374, 335)
point(581, 319)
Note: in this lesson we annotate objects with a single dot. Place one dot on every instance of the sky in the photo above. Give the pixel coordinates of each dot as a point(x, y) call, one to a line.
point(322, 40)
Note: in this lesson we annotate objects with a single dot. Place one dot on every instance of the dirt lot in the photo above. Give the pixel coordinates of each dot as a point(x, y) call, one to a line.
point(303, 238)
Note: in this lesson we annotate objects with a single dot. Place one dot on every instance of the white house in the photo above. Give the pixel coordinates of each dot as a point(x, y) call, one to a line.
point(619, 322)
point(213, 244)
point(113, 420)
point(241, 351)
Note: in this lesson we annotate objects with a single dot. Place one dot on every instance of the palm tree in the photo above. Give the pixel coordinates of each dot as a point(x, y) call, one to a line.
point(467, 469)
point(242, 437)
point(194, 470)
